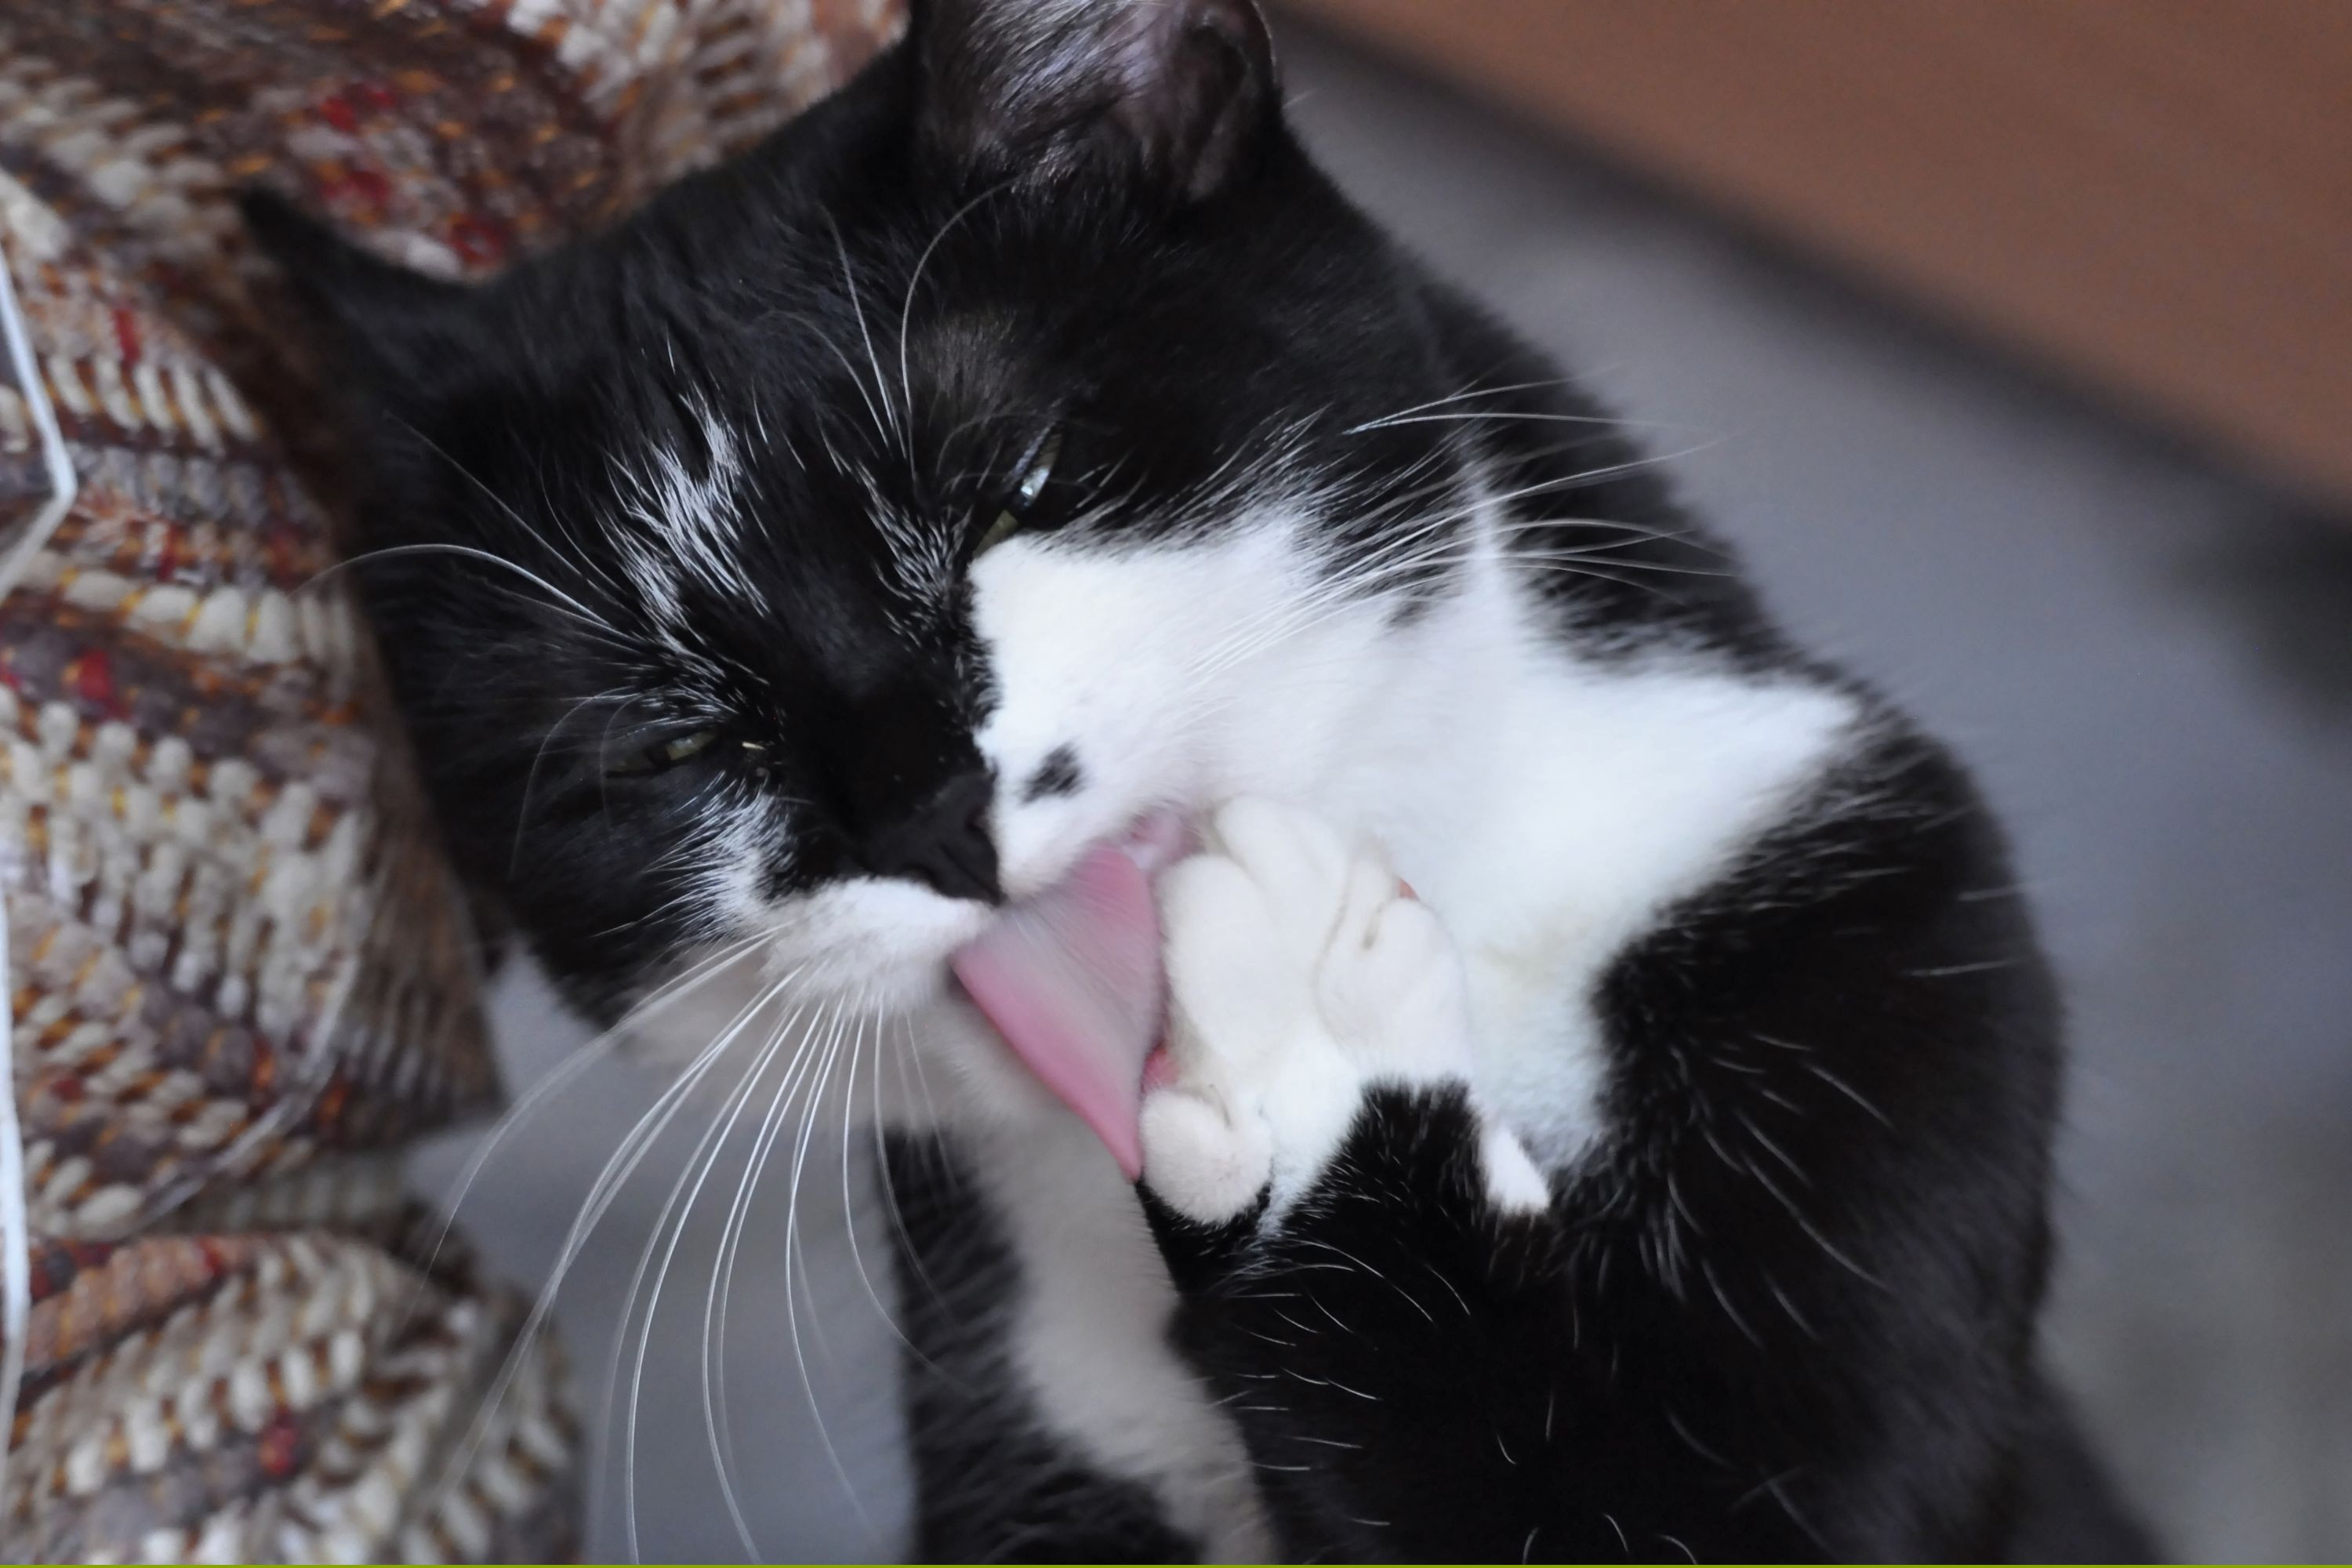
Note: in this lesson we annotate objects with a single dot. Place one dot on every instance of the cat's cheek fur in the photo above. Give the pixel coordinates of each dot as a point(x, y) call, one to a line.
point(1117, 659)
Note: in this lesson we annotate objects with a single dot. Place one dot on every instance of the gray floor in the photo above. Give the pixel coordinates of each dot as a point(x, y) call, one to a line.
point(2150, 659)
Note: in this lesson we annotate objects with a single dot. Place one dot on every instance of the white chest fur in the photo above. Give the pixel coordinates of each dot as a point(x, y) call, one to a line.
point(1550, 807)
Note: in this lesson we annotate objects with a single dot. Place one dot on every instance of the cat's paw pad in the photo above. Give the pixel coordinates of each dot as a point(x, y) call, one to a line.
point(1205, 1158)
point(1299, 969)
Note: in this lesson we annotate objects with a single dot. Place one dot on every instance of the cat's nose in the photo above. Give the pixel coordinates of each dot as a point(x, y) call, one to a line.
point(944, 843)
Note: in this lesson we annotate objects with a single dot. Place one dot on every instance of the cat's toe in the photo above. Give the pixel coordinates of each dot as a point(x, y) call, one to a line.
point(1206, 1158)
point(1280, 933)
point(1299, 865)
point(1234, 990)
point(1392, 992)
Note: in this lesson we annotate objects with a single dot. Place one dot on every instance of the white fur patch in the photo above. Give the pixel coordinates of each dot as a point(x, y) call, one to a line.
point(1513, 1183)
point(1089, 1338)
point(685, 525)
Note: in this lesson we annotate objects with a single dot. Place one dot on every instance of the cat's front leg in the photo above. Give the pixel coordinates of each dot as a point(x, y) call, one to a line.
point(1366, 1258)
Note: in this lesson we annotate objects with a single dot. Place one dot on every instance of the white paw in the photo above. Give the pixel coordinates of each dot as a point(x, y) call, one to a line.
point(1301, 970)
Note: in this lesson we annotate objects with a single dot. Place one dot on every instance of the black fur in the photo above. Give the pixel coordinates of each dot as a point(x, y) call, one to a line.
point(1059, 774)
point(1787, 1309)
point(1788, 1312)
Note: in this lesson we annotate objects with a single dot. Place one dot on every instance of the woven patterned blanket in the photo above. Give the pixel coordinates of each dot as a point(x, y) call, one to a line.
point(240, 975)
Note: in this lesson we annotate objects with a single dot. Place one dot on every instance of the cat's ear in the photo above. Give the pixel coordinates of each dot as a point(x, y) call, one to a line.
point(1184, 93)
point(396, 333)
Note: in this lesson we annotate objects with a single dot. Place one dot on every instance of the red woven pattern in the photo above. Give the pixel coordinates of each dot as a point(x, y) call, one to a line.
point(239, 972)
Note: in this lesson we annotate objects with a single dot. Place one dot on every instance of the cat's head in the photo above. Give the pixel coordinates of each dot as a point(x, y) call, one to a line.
point(866, 527)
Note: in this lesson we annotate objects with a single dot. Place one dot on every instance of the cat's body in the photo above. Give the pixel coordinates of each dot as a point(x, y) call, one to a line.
point(1665, 1172)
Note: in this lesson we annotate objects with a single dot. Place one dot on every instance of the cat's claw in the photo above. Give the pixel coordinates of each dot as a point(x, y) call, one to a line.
point(1300, 971)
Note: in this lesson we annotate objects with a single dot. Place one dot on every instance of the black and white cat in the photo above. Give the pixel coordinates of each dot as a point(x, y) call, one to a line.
point(1608, 1078)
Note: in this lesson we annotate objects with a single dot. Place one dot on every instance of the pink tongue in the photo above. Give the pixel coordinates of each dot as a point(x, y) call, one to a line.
point(1072, 980)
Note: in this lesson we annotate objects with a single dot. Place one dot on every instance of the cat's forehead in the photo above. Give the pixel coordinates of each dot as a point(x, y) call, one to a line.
point(757, 541)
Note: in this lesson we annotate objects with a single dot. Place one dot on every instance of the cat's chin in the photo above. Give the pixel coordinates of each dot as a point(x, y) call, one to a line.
point(874, 945)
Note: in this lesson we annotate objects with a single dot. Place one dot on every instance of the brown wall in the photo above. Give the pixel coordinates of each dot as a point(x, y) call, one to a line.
point(2153, 196)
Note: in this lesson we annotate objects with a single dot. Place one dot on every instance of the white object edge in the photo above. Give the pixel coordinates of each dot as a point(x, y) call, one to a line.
point(15, 1238)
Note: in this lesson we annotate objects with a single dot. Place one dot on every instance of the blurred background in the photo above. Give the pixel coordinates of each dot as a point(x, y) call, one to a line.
point(2012, 346)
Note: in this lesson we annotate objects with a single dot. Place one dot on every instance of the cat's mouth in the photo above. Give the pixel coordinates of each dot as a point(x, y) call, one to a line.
point(1072, 978)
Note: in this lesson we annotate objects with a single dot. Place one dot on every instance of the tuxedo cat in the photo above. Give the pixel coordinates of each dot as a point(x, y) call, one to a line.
point(1411, 1023)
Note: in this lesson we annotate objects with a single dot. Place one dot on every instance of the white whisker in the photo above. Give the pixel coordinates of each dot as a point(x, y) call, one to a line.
point(887, 415)
point(555, 1081)
point(558, 599)
point(914, 281)
point(718, 1427)
point(699, 1164)
point(625, 1159)
point(796, 1268)
point(1462, 396)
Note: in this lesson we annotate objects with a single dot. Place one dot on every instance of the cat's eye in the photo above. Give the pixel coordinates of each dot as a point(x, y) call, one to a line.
point(663, 755)
point(1035, 475)
point(1005, 526)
